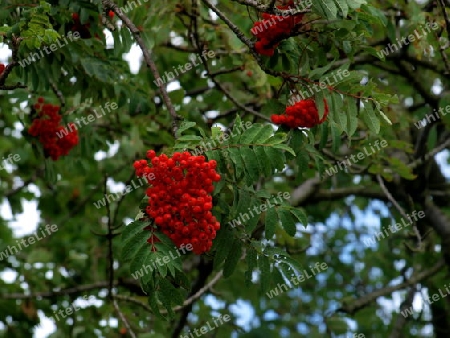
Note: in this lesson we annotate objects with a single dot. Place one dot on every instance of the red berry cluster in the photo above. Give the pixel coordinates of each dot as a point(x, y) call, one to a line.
point(179, 197)
point(46, 127)
point(302, 114)
point(273, 29)
point(2, 68)
point(78, 27)
point(83, 29)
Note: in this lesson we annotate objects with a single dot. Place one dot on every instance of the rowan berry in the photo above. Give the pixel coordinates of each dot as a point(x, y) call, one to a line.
point(176, 156)
point(111, 14)
point(302, 114)
point(212, 164)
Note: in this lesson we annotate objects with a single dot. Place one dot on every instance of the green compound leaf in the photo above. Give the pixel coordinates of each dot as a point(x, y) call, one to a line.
point(287, 221)
point(276, 157)
point(222, 245)
point(263, 134)
point(185, 125)
point(250, 134)
point(133, 237)
point(251, 260)
point(252, 167)
point(265, 275)
point(284, 147)
point(264, 161)
point(236, 158)
point(243, 204)
point(271, 221)
point(300, 215)
point(370, 118)
point(325, 8)
point(232, 259)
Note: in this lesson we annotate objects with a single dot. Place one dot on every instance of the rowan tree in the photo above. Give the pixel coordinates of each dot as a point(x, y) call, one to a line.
point(170, 164)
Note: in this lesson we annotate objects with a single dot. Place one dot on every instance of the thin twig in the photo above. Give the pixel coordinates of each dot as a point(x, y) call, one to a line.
point(400, 210)
point(110, 244)
point(270, 8)
point(15, 61)
point(230, 24)
point(124, 320)
point(362, 302)
point(108, 4)
point(58, 94)
point(433, 152)
point(401, 320)
point(177, 308)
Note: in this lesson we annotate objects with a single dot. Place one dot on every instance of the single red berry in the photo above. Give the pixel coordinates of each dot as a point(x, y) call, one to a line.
point(111, 14)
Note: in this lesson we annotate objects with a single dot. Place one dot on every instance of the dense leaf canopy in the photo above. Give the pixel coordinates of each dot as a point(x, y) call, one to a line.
point(340, 229)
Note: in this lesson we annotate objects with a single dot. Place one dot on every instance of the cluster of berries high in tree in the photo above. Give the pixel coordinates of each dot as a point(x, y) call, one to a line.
point(303, 114)
point(179, 198)
point(273, 29)
point(47, 125)
point(83, 29)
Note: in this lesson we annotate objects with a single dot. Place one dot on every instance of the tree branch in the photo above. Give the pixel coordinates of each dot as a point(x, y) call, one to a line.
point(364, 301)
point(108, 4)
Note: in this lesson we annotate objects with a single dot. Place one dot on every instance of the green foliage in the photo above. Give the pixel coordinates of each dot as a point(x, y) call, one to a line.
point(223, 106)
